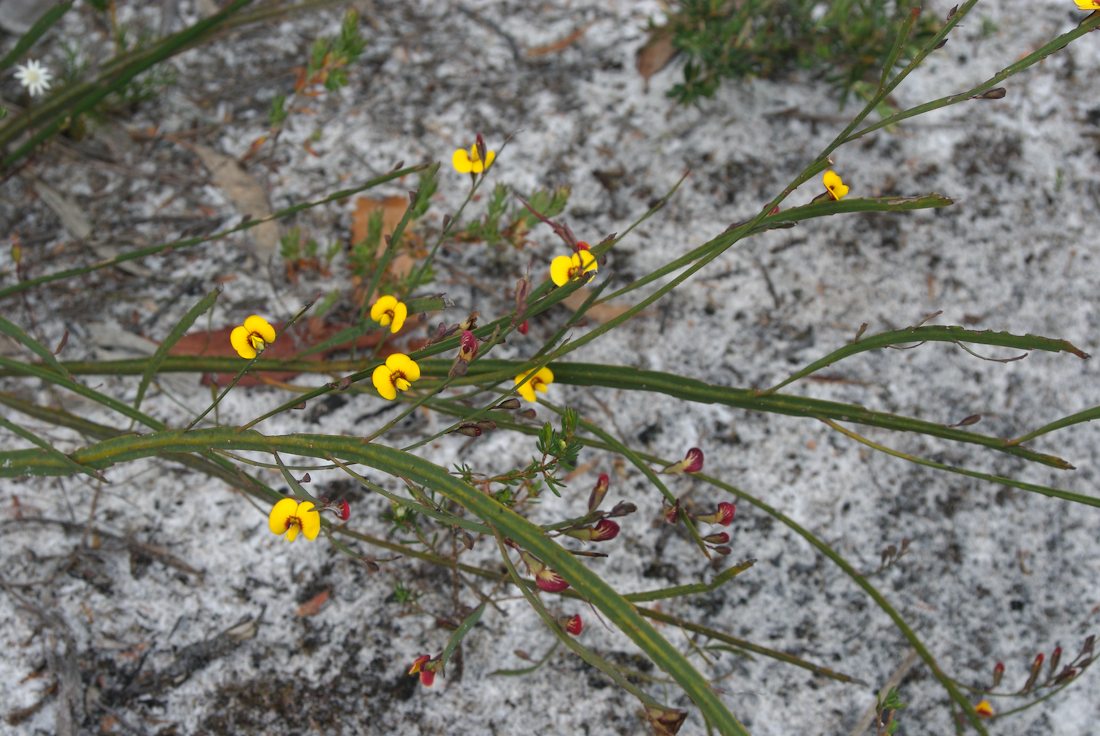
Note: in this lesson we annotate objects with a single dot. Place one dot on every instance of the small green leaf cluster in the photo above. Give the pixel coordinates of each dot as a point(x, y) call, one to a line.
point(844, 42)
point(328, 57)
point(499, 226)
point(559, 448)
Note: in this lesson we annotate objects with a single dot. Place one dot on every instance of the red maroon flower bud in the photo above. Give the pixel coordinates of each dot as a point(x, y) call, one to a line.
point(692, 463)
point(672, 513)
point(775, 210)
point(581, 245)
point(693, 460)
point(727, 510)
point(717, 538)
point(1055, 659)
point(522, 327)
point(345, 510)
point(548, 580)
point(467, 346)
point(605, 530)
point(574, 625)
point(998, 673)
point(723, 516)
point(723, 550)
point(595, 498)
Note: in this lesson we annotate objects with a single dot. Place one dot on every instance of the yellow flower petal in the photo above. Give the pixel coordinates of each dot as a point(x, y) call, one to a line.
point(260, 326)
point(280, 513)
point(461, 161)
point(527, 391)
point(292, 532)
point(490, 156)
point(310, 518)
point(834, 184)
point(403, 364)
point(382, 379)
point(539, 382)
point(400, 312)
point(380, 308)
point(559, 270)
point(1088, 4)
point(238, 338)
point(585, 261)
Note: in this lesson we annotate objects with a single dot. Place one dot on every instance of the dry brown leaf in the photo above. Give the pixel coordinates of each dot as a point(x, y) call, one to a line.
point(655, 54)
point(598, 313)
point(245, 193)
point(314, 605)
point(560, 45)
point(393, 208)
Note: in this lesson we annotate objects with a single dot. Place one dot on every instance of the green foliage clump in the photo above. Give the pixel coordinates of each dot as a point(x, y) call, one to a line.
point(845, 42)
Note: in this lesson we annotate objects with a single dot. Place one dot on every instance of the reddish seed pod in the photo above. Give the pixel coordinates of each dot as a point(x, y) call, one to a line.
point(622, 508)
point(717, 538)
point(574, 625)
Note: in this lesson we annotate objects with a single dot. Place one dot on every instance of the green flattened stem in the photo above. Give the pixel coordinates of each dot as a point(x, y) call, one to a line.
point(508, 524)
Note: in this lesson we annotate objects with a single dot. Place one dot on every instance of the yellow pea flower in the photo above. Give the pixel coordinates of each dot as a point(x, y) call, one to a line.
point(470, 162)
point(836, 186)
point(289, 517)
point(397, 374)
point(984, 709)
point(565, 268)
point(250, 339)
point(1088, 4)
point(540, 381)
point(388, 311)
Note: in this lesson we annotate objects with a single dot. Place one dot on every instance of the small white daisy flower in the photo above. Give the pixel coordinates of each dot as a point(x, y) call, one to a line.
point(34, 77)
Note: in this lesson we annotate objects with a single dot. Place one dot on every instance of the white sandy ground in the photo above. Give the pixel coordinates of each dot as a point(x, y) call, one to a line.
point(993, 573)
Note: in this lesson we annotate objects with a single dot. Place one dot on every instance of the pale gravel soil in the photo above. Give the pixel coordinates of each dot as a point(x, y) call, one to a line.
point(993, 573)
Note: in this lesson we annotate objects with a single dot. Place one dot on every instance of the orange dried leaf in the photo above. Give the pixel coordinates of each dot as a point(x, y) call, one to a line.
point(314, 605)
point(560, 45)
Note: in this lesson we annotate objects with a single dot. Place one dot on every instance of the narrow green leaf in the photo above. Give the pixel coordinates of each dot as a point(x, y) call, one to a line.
point(932, 333)
point(16, 333)
point(460, 633)
point(43, 24)
point(173, 337)
point(50, 449)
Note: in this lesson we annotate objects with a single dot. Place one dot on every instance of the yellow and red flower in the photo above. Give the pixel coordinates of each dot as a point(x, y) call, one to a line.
point(423, 666)
point(471, 162)
point(397, 374)
point(540, 380)
point(389, 312)
point(250, 339)
point(565, 268)
point(289, 517)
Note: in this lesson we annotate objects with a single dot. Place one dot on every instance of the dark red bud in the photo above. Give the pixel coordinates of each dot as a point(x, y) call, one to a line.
point(723, 550)
point(998, 673)
point(581, 245)
point(693, 460)
point(595, 498)
point(522, 327)
point(574, 625)
point(605, 530)
point(717, 538)
point(726, 510)
point(345, 510)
